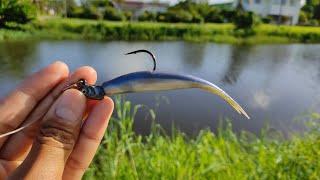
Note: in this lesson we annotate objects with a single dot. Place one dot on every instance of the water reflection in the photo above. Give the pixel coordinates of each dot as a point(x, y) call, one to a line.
point(193, 54)
point(16, 58)
point(238, 60)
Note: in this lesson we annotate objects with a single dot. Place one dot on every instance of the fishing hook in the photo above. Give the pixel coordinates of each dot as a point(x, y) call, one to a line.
point(148, 52)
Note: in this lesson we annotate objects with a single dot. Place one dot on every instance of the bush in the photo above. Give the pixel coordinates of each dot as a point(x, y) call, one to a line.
point(85, 13)
point(214, 16)
point(246, 20)
point(128, 15)
point(197, 18)
point(313, 22)
point(266, 20)
point(177, 16)
point(19, 11)
point(147, 16)
point(113, 14)
point(303, 18)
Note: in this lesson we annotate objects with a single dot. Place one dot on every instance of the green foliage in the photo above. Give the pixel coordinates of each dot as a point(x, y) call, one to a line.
point(314, 22)
point(310, 13)
point(316, 13)
point(186, 12)
point(178, 16)
point(62, 28)
point(123, 154)
point(267, 19)
point(147, 16)
point(214, 16)
point(128, 15)
point(113, 14)
point(85, 13)
point(97, 9)
point(246, 20)
point(18, 11)
point(303, 18)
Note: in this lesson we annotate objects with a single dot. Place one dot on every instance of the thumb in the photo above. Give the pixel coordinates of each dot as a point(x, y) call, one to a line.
point(56, 138)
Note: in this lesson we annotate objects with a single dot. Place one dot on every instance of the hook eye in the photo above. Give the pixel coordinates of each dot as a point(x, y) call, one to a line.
point(84, 91)
point(80, 84)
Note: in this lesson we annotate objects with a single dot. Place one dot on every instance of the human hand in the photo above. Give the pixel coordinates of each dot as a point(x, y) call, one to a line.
point(58, 145)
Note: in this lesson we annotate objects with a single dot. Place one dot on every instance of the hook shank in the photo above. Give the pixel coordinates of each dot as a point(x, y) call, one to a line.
point(148, 52)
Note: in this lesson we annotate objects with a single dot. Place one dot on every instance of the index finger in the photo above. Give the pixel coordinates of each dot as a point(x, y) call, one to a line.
point(17, 105)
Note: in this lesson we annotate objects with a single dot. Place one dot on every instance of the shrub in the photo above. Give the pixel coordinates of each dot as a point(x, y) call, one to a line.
point(113, 14)
point(128, 15)
point(228, 15)
point(246, 20)
point(147, 16)
point(313, 22)
point(197, 18)
point(214, 16)
point(19, 11)
point(303, 19)
point(85, 13)
point(178, 16)
point(266, 20)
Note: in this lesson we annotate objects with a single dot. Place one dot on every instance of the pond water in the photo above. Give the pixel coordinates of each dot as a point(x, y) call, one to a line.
point(274, 83)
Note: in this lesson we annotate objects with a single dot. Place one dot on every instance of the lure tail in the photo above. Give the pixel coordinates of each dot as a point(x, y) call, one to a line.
point(209, 87)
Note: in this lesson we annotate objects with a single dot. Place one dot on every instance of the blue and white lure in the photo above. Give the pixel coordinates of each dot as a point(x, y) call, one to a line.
point(144, 81)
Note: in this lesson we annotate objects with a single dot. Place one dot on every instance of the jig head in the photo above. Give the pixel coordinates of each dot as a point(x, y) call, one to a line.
point(97, 92)
point(90, 91)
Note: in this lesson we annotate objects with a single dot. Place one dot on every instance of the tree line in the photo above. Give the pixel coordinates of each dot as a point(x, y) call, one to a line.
point(187, 11)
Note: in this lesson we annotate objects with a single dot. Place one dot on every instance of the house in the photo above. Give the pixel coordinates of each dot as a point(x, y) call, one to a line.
point(139, 7)
point(283, 11)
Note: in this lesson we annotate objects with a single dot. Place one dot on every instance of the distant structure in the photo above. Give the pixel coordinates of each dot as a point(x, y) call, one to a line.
point(138, 7)
point(282, 11)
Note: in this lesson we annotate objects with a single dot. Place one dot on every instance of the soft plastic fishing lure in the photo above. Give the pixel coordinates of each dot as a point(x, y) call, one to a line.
point(152, 81)
point(144, 81)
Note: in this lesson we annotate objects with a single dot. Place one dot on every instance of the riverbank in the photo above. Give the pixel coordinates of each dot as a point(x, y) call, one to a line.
point(123, 154)
point(58, 29)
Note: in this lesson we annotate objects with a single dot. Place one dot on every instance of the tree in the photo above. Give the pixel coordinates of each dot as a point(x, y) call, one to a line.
point(246, 20)
point(311, 12)
point(19, 11)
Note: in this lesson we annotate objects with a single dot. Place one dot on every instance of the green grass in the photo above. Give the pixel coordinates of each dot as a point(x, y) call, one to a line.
point(123, 154)
point(59, 28)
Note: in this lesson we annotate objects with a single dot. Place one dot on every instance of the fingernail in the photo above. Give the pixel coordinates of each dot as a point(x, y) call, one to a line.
point(70, 106)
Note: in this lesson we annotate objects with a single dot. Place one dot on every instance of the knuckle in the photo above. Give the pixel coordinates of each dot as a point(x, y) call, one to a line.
point(76, 164)
point(57, 134)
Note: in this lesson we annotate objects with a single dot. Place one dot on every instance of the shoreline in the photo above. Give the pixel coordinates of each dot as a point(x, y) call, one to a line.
point(79, 29)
